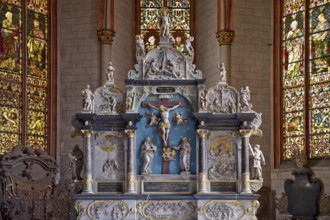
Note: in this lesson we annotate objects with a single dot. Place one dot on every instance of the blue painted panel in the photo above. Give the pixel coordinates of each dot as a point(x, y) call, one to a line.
point(176, 133)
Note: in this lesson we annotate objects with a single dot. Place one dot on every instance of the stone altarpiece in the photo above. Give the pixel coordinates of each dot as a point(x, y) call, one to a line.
point(167, 148)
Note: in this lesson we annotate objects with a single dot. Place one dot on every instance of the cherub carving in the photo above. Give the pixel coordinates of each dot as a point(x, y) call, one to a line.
point(153, 119)
point(168, 154)
point(177, 117)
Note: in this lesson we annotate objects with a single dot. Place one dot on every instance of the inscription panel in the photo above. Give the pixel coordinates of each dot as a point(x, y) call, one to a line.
point(223, 187)
point(109, 187)
point(166, 187)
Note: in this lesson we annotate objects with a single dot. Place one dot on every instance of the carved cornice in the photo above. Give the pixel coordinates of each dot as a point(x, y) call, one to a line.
point(106, 36)
point(225, 37)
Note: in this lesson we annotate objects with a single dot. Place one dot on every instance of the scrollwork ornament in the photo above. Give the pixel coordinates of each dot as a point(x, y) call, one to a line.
point(80, 210)
point(105, 36)
point(225, 37)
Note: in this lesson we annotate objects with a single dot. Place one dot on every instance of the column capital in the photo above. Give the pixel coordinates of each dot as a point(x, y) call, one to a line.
point(130, 133)
point(201, 133)
point(246, 133)
point(86, 133)
point(225, 37)
point(106, 36)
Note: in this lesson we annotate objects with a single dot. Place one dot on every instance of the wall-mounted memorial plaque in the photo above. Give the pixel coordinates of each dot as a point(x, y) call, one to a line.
point(109, 187)
point(223, 187)
point(166, 187)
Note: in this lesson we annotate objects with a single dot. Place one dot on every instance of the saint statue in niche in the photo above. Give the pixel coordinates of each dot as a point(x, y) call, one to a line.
point(147, 153)
point(185, 149)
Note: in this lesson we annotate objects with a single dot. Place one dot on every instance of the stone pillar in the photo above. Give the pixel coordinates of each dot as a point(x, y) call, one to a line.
point(88, 178)
point(225, 33)
point(246, 187)
point(106, 38)
point(225, 39)
point(131, 163)
point(105, 34)
point(202, 163)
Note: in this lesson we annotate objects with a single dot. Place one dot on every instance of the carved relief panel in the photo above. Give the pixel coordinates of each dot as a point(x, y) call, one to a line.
point(222, 155)
point(109, 156)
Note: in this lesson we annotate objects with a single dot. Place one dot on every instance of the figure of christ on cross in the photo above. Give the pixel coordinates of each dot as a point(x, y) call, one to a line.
point(164, 107)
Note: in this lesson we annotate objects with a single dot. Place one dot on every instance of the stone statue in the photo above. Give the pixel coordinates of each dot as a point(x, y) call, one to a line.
point(222, 73)
point(153, 119)
point(165, 24)
point(147, 153)
point(164, 125)
point(76, 163)
point(140, 50)
point(130, 101)
point(245, 98)
point(185, 149)
point(112, 104)
point(110, 71)
point(203, 99)
point(88, 97)
point(257, 158)
point(188, 48)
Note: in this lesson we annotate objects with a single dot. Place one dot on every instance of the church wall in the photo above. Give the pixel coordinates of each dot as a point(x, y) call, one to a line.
point(207, 47)
point(251, 64)
point(78, 66)
point(123, 47)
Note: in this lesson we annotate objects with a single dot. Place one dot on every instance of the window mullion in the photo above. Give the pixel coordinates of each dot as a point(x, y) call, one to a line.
point(307, 74)
point(24, 74)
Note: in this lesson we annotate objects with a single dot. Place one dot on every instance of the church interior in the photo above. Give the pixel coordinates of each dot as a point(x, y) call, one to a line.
point(165, 109)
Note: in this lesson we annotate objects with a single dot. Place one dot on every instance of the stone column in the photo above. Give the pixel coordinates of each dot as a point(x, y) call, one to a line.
point(88, 178)
point(202, 163)
point(105, 34)
point(131, 163)
point(246, 187)
point(225, 39)
point(225, 33)
point(106, 38)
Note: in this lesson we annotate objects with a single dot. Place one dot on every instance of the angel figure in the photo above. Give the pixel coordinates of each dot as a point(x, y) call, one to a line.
point(222, 73)
point(178, 118)
point(153, 119)
point(168, 154)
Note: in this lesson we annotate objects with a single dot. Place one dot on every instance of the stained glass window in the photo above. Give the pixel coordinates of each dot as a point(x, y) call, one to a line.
point(24, 74)
point(180, 15)
point(305, 80)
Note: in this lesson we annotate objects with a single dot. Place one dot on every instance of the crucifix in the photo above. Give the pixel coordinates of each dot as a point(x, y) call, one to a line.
point(164, 107)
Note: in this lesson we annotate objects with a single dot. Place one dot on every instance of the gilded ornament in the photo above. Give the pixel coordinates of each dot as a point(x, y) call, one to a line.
point(225, 37)
point(106, 36)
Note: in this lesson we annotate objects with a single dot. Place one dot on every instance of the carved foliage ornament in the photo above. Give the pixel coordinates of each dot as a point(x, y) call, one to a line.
point(107, 209)
point(105, 36)
point(225, 37)
point(223, 210)
point(167, 209)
